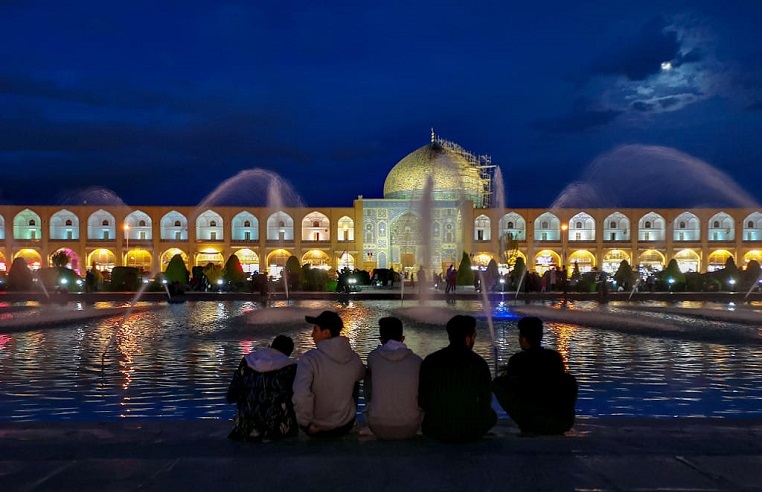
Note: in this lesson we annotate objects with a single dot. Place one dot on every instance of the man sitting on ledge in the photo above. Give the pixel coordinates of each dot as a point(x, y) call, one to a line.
point(534, 388)
point(454, 387)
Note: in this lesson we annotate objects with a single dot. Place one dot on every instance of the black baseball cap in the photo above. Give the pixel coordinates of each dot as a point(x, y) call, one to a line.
point(327, 320)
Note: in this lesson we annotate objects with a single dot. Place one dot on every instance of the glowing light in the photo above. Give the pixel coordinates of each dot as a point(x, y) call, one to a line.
point(666, 66)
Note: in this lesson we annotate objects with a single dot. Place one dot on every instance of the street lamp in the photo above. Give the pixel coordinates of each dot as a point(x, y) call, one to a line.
point(564, 228)
point(127, 240)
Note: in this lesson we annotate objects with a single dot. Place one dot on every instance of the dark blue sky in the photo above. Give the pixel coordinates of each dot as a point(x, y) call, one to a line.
point(162, 101)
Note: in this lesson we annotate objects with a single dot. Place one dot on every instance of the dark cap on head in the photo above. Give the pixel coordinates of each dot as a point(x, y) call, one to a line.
point(327, 320)
point(390, 328)
point(283, 344)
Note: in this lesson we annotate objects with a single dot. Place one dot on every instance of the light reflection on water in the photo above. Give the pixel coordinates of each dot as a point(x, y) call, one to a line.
point(176, 361)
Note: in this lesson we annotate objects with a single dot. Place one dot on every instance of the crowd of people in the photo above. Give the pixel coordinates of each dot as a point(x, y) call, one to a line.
point(446, 396)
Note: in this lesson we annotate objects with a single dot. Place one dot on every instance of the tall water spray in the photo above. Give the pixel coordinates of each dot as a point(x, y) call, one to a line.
point(425, 207)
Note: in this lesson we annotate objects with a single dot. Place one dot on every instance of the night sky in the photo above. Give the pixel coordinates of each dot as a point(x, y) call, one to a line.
point(589, 103)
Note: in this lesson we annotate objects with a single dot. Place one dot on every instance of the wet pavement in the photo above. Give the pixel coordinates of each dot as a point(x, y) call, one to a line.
point(598, 454)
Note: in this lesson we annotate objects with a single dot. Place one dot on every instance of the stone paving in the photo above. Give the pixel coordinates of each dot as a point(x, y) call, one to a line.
point(599, 454)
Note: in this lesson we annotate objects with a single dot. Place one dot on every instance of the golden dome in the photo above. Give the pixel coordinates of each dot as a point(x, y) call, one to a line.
point(453, 176)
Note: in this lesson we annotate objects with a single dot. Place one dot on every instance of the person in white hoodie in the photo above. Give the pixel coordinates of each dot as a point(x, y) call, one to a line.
point(326, 379)
point(262, 389)
point(391, 385)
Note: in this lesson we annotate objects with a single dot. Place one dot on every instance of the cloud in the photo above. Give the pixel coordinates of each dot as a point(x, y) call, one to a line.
point(582, 117)
point(642, 55)
point(663, 104)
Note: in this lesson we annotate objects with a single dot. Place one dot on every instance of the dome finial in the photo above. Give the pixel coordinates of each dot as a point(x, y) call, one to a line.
point(433, 135)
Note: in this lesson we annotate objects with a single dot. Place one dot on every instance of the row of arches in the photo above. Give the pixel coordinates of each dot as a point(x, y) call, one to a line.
point(105, 259)
point(616, 227)
point(209, 226)
point(687, 260)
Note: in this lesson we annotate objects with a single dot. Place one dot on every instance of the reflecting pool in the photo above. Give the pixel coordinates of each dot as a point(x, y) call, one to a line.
point(174, 361)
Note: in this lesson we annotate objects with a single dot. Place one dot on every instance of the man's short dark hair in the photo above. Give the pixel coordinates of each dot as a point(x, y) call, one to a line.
point(531, 329)
point(327, 320)
point(390, 328)
point(283, 344)
point(459, 327)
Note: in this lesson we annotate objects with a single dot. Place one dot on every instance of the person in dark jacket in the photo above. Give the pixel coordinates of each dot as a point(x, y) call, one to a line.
point(534, 387)
point(454, 387)
point(262, 390)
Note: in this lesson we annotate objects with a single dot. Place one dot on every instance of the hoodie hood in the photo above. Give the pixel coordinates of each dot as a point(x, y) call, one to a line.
point(267, 359)
point(394, 350)
point(337, 349)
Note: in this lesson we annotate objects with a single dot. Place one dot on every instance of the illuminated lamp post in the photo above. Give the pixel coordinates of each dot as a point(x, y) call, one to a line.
point(564, 237)
point(127, 240)
point(732, 283)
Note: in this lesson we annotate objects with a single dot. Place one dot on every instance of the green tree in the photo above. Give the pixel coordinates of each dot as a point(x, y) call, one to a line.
point(673, 273)
point(293, 271)
point(213, 274)
point(730, 276)
point(751, 275)
point(60, 258)
point(125, 279)
point(492, 276)
point(20, 276)
point(624, 275)
point(176, 270)
point(465, 274)
point(233, 273)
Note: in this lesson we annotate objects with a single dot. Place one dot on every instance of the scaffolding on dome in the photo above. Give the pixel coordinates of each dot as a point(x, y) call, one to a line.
point(482, 163)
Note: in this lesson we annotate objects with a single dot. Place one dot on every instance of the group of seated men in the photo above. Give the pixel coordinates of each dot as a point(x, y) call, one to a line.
point(446, 396)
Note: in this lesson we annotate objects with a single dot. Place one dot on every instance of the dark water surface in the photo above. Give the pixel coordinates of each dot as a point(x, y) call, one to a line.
point(175, 361)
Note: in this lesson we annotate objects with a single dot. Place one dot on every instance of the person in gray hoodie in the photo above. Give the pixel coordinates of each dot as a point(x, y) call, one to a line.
point(326, 380)
point(391, 385)
point(262, 389)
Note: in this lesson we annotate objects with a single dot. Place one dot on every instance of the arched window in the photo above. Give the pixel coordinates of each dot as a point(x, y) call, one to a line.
point(247, 223)
point(648, 224)
point(716, 224)
point(544, 224)
point(32, 222)
point(69, 222)
point(510, 225)
point(213, 223)
point(141, 223)
point(281, 223)
point(612, 224)
point(104, 223)
point(750, 224)
point(682, 225)
point(315, 223)
point(178, 223)
point(578, 225)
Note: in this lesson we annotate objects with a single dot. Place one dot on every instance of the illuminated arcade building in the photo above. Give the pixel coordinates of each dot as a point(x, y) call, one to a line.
point(438, 203)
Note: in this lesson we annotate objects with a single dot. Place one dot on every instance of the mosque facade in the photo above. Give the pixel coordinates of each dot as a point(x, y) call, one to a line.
point(439, 203)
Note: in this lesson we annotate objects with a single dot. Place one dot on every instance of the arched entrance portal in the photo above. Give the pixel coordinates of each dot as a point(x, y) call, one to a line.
point(612, 259)
point(583, 260)
point(688, 261)
point(316, 259)
point(167, 256)
point(138, 258)
point(276, 262)
point(102, 259)
point(74, 262)
point(249, 260)
point(717, 260)
point(650, 261)
point(545, 260)
point(31, 257)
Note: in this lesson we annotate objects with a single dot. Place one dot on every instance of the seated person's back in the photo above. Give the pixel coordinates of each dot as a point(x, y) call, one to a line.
point(534, 388)
point(454, 387)
point(262, 391)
